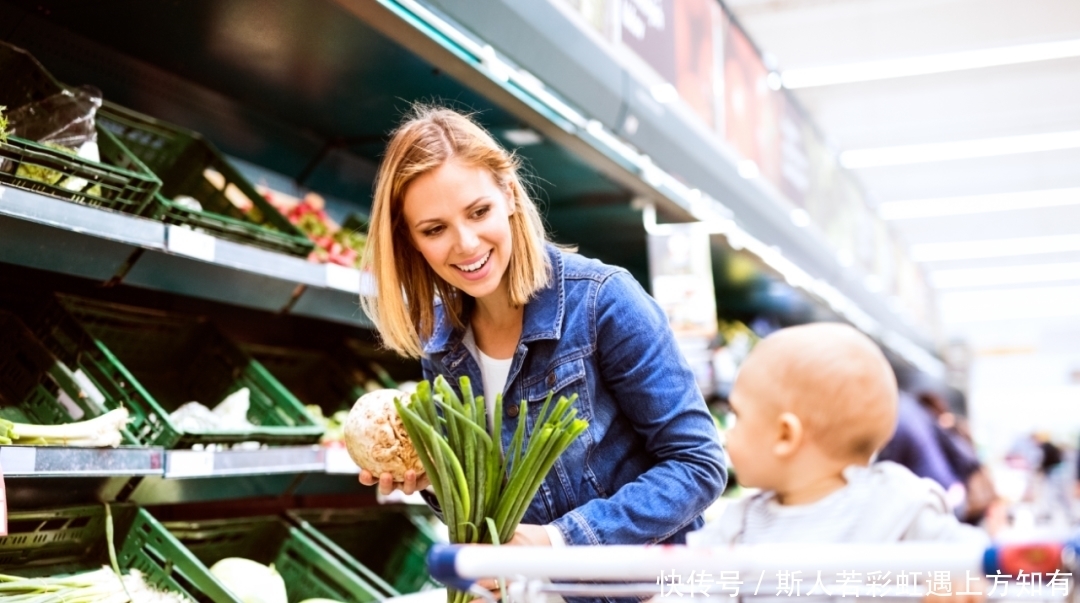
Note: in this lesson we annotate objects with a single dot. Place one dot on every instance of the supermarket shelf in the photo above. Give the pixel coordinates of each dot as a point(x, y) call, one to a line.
point(206, 463)
point(45, 461)
point(50, 234)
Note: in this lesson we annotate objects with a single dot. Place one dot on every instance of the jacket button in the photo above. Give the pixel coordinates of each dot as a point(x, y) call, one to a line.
point(551, 380)
point(513, 410)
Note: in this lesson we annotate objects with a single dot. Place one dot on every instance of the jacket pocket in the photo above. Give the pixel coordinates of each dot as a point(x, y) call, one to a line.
point(564, 379)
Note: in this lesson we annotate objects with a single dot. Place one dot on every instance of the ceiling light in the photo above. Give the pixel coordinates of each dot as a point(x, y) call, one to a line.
point(800, 217)
point(994, 248)
point(664, 93)
point(960, 149)
point(1005, 275)
point(940, 63)
point(749, 169)
point(1005, 304)
point(951, 206)
point(522, 137)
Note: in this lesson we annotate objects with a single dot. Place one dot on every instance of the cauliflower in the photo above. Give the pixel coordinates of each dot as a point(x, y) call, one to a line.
point(376, 438)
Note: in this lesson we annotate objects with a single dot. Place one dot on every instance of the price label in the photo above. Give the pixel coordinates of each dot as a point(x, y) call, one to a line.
point(339, 461)
point(343, 278)
point(189, 463)
point(185, 241)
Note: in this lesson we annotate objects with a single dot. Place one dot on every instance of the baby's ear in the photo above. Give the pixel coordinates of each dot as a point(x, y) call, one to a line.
point(790, 435)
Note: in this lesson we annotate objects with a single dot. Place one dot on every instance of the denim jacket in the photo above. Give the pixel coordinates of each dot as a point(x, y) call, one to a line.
point(650, 462)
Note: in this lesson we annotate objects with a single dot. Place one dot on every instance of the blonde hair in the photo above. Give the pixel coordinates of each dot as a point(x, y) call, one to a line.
point(404, 309)
point(839, 384)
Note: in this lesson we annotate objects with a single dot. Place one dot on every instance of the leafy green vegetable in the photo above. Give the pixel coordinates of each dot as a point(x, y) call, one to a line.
point(483, 490)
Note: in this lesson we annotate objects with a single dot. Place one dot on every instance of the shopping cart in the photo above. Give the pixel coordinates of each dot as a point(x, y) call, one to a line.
point(1025, 571)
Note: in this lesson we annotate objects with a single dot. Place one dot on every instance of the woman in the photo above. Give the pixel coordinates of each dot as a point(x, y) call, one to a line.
point(468, 282)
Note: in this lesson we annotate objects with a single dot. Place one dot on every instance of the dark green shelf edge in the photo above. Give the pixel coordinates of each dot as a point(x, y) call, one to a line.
point(42, 232)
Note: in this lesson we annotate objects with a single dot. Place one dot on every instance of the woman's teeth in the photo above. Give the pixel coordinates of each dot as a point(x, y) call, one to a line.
point(475, 266)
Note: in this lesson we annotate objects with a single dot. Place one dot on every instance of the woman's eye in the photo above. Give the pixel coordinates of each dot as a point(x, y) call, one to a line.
point(481, 212)
point(431, 232)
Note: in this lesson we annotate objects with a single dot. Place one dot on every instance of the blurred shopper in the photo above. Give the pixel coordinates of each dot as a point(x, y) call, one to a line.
point(933, 441)
point(813, 404)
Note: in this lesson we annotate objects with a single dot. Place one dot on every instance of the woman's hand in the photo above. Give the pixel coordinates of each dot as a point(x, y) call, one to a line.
point(414, 482)
point(526, 534)
point(530, 535)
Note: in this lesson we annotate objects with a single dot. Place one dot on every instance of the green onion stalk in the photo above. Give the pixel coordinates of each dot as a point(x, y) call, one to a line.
point(484, 490)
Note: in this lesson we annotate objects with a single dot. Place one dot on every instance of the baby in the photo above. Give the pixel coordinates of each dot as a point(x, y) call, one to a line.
point(812, 405)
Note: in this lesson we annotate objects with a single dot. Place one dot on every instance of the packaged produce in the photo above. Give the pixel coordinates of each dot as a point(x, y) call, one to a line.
point(250, 581)
point(98, 586)
point(334, 244)
point(99, 432)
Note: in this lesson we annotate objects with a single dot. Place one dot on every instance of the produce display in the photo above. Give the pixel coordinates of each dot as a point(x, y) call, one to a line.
point(250, 581)
point(333, 243)
point(3, 124)
point(99, 586)
point(99, 432)
point(334, 436)
point(483, 490)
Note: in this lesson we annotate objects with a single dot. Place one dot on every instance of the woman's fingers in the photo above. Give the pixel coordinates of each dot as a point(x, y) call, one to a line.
point(386, 483)
point(413, 482)
point(410, 482)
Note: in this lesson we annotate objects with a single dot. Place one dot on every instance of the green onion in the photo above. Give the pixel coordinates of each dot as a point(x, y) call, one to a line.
point(483, 490)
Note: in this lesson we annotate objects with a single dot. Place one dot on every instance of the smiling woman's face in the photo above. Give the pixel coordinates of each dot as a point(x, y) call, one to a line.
point(458, 218)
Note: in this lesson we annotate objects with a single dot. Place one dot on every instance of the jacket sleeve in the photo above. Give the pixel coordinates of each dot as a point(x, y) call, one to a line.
point(643, 368)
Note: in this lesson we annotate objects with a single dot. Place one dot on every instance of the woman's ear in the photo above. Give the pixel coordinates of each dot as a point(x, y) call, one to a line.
point(790, 436)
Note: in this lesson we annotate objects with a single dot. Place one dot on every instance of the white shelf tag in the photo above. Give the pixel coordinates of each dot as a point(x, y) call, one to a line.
point(343, 278)
point(189, 463)
point(339, 461)
point(185, 241)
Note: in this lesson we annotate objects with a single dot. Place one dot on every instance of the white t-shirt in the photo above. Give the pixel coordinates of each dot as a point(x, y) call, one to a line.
point(493, 372)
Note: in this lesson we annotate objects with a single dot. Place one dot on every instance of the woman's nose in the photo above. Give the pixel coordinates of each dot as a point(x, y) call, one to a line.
point(467, 239)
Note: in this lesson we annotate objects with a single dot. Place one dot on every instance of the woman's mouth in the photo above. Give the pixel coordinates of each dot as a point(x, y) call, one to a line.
point(477, 265)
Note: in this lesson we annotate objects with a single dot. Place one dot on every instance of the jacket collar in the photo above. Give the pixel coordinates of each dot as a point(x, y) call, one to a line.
point(543, 313)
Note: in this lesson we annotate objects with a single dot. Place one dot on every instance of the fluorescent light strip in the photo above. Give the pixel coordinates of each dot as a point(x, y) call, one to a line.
point(1006, 304)
point(960, 149)
point(940, 63)
point(1005, 275)
point(994, 248)
point(976, 204)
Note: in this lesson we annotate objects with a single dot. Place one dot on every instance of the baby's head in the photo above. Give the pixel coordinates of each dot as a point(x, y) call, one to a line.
point(820, 394)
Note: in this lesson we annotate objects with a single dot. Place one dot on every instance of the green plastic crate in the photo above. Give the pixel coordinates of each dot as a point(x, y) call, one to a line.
point(72, 539)
point(308, 569)
point(391, 541)
point(152, 362)
point(314, 376)
point(189, 165)
point(34, 386)
point(118, 182)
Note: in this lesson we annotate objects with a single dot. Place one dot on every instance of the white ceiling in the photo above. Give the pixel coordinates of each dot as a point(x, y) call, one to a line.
point(990, 102)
